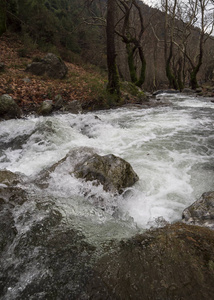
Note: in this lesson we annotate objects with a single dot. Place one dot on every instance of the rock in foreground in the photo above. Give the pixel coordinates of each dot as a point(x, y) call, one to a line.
point(45, 256)
point(201, 212)
point(113, 172)
point(174, 262)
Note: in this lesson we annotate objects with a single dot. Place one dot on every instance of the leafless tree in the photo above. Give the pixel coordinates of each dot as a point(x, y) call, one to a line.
point(132, 34)
point(113, 77)
point(193, 19)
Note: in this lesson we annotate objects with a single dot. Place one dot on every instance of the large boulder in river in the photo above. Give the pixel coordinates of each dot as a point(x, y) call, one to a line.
point(8, 108)
point(113, 172)
point(201, 212)
point(50, 65)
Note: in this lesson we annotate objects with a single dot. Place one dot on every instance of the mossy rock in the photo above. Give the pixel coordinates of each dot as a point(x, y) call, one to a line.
point(8, 108)
point(133, 90)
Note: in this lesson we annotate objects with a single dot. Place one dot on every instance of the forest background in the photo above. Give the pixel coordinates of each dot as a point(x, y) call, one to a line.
point(155, 48)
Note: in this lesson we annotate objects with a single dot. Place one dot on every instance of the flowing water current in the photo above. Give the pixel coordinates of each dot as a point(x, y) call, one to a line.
point(169, 147)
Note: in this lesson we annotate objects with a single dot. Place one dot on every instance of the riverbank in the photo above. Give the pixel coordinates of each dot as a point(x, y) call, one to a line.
point(84, 83)
point(29, 90)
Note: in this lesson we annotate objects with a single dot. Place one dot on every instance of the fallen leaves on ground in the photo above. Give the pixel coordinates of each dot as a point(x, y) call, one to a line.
point(29, 90)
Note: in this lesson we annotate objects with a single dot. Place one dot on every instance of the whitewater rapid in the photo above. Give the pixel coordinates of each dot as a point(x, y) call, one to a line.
point(169, 147)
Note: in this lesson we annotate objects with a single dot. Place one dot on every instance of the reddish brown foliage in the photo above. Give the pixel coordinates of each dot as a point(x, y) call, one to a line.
point(29, 90)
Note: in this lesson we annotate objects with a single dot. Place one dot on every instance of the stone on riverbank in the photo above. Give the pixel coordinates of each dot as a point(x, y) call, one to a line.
point(45, 108)
point(8, 108)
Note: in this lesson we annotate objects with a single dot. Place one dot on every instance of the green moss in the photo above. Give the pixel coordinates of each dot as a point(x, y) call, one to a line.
point(132, 89)
point(172, 80)
point(132, 69)
point(211, 265)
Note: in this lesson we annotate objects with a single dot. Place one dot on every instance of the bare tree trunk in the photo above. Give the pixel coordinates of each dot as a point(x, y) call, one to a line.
point(195, 70)
point(168, 56)
point(133, 40)
point(113, 77)
point(2, 16)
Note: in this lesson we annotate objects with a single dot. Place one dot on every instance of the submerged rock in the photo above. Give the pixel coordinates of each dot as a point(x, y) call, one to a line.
point(9, 178)
point(113, 172)
point(8, 108)
point(10, 197)
point(41, 257)
point(50, 65)
point(201, 212)
point(44, 255)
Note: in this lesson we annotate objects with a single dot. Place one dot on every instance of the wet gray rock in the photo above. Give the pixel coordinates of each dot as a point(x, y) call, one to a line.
point(75, 156)
point(199, 90)
point(45, 256)
point(50, 65)
point(113, 172)
point(45, 108)
point(7, 225)
point(188, 91)
point(159, 92)
point(9, 178)
point(41, 258)
point(201, 212)
point(58, 102)
point(73, 107)
point(10, 197)
point(8, 108)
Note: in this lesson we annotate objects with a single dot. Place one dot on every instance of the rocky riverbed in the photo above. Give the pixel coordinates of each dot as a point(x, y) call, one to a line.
point(42, 257)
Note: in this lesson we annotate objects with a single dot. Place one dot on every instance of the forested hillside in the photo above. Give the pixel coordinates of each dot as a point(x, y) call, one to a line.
point(154, 49)
point(55, 25)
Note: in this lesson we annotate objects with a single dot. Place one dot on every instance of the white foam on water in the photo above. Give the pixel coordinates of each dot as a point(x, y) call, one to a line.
point(170, 148)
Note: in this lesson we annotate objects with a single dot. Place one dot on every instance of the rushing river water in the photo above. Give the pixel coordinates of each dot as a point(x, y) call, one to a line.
point(55, 229)
point(169, 147)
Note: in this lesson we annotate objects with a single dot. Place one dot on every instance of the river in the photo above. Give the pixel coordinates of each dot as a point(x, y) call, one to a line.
point(170, 147)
